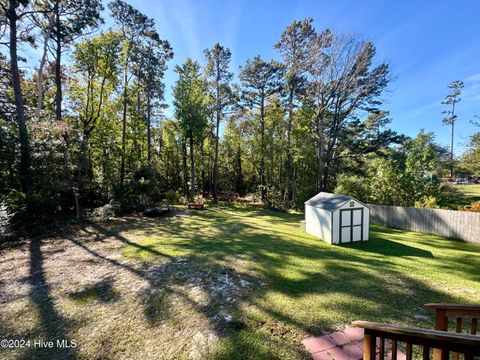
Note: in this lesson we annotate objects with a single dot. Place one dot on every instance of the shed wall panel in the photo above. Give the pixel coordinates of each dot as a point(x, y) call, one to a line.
point(336, 227)
point(366, 222)
point(318, 223)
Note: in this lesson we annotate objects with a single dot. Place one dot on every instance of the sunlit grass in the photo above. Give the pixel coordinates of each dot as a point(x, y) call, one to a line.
point(468, 194)
point(309, 286)
point(141, 288)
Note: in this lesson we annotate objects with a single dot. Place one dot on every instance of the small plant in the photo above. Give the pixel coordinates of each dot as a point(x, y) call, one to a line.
point(173, 197)
point(427, 202)
point(106, 211)
point(5, 217)
point(475, 207)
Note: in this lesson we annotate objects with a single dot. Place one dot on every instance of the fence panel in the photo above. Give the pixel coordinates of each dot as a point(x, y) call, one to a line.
point(462, 225)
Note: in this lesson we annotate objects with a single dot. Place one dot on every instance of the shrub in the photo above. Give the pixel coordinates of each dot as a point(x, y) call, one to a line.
point(5, 217)
point(173, 197)
point(144, 183)
point(353, 185)
point(136, 193)
point(448, 196)
point(475, 207)
point(275, 198)
point(106, 211)
point(427, 202)
point(16, 202)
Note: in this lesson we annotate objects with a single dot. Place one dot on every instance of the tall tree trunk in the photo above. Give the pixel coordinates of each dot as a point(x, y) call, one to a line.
point(184, 168)
point(239, 172)
point(215, 162)
point(328, 156)
point(319, 155)
point(294, 187)
point(85, 168)
point(124, 123)
point(272, 160)
point(210, 174)
point(68, 169)
point(328, 163)
point(451, 140)
point(262, 147)
point(137, 149)
point(58, 64)
point(58, 109)
point(271, 177)
point(19, 105)
point(280, 171)
point(289, 160)
point(149, 135)
point(160, 141)
point(202, 155)
point(290, 118)
point(40, 69)
point(192, 169)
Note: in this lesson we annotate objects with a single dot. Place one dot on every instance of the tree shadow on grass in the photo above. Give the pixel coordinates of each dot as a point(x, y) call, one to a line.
point(52, 325)
point(345, 280)
point(389, 248)
point(344, 272)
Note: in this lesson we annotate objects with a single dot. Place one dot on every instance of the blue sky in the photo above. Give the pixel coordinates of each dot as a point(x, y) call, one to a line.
point(428, 44)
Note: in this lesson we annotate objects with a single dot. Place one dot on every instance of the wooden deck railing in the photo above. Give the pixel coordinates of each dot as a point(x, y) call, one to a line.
point(468, 345)
point(463, 315)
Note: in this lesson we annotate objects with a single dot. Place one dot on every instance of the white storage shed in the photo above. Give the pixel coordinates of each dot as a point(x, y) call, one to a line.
point(336, 219)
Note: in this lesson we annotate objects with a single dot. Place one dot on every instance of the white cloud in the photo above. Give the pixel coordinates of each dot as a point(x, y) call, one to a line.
point(473, 78)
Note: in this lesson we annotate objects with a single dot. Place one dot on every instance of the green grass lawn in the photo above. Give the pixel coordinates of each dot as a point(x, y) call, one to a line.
point(236, 282)
point(471, 192)
point(468, 194)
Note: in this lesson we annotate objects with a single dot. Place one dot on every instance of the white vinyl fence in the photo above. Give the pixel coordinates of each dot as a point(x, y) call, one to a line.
point(462, 225)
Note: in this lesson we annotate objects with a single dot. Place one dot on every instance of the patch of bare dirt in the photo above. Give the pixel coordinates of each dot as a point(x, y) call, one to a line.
point(79, 286)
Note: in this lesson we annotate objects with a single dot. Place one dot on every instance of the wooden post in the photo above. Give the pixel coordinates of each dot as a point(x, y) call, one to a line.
point(394, 349)
point(441, 323)
point(369, 343)
point(409, 351)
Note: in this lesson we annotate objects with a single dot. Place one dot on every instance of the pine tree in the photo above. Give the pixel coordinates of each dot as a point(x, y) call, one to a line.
point(219, 76)
point(450, 117)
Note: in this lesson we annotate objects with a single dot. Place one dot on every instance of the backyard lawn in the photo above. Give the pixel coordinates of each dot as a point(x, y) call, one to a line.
point(223, 283)
point(470, 192)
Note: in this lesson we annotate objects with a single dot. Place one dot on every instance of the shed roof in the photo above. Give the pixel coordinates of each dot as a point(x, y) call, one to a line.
point(328, 201)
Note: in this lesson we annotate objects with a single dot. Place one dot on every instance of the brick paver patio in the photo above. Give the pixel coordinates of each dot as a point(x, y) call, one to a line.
point(342, 345)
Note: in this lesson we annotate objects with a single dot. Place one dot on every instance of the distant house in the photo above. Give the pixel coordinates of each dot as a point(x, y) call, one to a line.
point(336, 219)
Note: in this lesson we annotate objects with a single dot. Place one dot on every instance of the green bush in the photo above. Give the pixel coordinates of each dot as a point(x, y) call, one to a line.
point(141, 189)
point(173, 197)
point(353, 185)
point(106, 211)
point(5, 217)
point(16, 202)
point(427, 202)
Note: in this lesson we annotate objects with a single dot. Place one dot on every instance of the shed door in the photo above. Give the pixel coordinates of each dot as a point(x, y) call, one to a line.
point(351, 225)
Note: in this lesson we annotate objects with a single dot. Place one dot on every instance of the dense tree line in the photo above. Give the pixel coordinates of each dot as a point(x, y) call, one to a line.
point(91, 131)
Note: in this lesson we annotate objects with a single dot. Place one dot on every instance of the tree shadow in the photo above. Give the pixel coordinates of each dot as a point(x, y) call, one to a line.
point(52, 325)
point(388, 248)
point(272, 252)
point(358, 281)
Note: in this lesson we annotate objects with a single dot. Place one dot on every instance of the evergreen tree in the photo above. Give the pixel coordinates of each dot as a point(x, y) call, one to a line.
point(219, 77)
point(450, 117)
point(191, 109)
point(260, 80)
